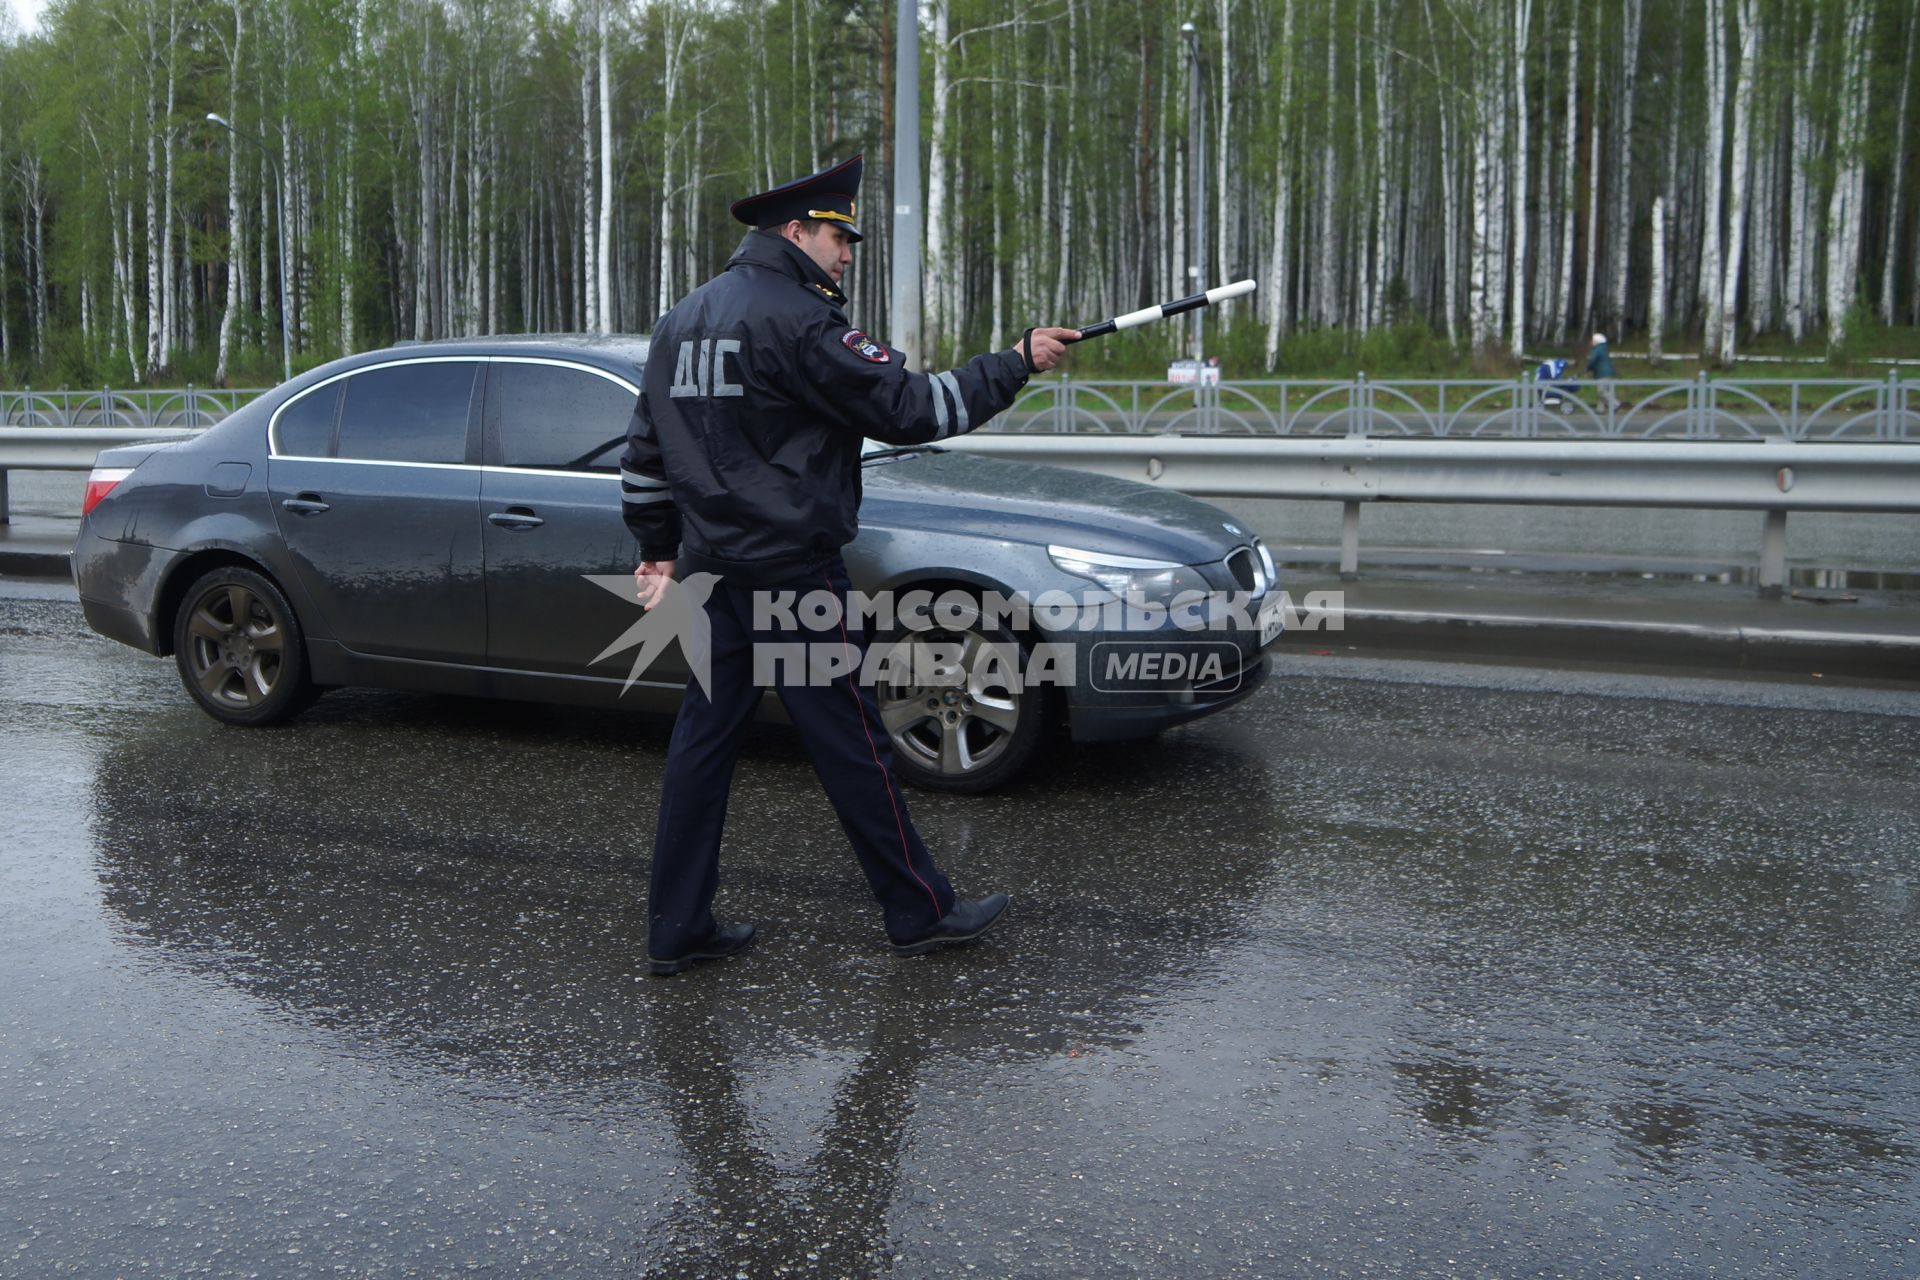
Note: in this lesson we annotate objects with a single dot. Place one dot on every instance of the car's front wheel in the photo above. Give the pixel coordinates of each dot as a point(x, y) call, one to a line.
point(239, 648)
point(956, 707)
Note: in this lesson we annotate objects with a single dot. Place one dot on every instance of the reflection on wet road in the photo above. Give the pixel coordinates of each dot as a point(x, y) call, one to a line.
point(1397, 970)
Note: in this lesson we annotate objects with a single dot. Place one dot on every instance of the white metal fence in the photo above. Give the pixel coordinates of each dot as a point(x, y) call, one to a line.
point(183, 407)
point(1836, 410)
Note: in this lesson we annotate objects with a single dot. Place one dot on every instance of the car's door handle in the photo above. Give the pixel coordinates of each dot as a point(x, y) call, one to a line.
point(515, 518)
point(307, 504)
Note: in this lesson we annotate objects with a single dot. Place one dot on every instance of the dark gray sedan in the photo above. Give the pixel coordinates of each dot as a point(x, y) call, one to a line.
point(445, 517)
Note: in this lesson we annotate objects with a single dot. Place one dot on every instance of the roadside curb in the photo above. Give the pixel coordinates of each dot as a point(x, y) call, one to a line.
point(1879, 655)
point(31, 563)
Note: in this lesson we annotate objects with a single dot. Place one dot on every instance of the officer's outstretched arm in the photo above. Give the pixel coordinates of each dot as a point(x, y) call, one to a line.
point(645, 499)
point(849, 378)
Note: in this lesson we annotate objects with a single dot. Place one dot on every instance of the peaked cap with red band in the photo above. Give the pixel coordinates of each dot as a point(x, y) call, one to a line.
point(827, 195)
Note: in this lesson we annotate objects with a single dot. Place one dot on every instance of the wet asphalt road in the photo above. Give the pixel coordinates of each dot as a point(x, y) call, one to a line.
point(1398, 970)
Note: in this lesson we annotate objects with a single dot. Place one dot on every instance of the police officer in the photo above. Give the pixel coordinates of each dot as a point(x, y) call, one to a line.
point(743, 461)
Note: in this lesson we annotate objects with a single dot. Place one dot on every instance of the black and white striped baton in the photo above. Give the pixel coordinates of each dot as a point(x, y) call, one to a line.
point(1238, 289)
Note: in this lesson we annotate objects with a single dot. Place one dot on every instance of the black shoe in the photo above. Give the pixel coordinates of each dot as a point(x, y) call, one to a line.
point(967, 921)
point(723, 942)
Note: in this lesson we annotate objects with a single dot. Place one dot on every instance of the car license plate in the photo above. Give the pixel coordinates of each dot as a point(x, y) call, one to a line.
point(1272, 619)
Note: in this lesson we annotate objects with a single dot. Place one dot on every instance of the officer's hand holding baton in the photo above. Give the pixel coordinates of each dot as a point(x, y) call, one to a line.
point(1043, 348)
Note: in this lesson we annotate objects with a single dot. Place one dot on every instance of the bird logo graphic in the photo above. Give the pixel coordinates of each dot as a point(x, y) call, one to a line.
point(681, 615)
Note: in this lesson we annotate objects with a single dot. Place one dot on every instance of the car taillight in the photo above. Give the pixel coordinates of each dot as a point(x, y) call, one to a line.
point(100, 482)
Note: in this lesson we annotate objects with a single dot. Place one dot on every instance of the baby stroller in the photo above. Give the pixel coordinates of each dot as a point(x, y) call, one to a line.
point(1561, 390)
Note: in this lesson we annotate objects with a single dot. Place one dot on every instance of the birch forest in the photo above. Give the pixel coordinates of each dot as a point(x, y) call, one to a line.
point(1502, 175)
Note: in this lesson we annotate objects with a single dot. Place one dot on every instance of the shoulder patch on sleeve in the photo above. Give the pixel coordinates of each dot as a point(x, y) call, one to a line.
point(864, 347)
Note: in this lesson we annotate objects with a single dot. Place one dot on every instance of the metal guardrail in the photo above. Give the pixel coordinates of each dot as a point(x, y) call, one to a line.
point(73, 448)
point(1758, 476)
point(1829, 409)
point(1770, 445)
point(1753, 477)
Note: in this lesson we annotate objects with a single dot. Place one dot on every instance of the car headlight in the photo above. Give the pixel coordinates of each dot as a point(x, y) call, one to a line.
point(1158, 581)
point(1266, 563)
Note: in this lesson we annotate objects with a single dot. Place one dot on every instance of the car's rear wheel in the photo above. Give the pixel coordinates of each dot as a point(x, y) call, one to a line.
point(955, 706)
point(239, 648)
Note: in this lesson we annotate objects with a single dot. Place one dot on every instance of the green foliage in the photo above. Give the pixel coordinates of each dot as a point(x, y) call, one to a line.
point(1861, 333)
point(74, 363)
point(457, 126)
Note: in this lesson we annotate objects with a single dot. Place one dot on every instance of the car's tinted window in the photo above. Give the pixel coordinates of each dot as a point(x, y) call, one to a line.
point(305, 428)
point(408, 412)
point(544, 415)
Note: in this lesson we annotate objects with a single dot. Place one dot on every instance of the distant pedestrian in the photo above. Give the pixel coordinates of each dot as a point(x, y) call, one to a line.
point(1558, 393)
point(1600, 365)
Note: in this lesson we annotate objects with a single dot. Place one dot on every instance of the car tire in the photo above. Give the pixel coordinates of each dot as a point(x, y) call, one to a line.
point(240, 650)
point(964, 737)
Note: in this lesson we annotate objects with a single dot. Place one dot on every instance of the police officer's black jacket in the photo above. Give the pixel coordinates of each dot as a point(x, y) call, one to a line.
point(743, 456)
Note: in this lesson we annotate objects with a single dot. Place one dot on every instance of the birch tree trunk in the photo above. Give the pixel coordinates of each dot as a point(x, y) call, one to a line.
point(154, 294)
point(123, 265)
point(475, 238)
point(1382, 205)
point(1657, 297)
point(939, 269)
point(689, 266)
point(37, 219)
point(1225, 159)
point(1749, 18)
point(1069, 195)
point(167, 319)
point(1590, 281)
point(426, 250)
point(1449, 190)
point(1846, 208)
point(496, 278)
point(1800, 198)
point(1895, 211)
point(589, 205)
point(1563, 295)
point(1326, 288)
point(603, 236)
point(1517, 308)
point(296, 320)
point(1763, 215)
point(1489, 104)
point(350, 211)
point(236, 255)
point(1620, 236)
point(673, 53)
point(1710, 240)
point(1277, 283)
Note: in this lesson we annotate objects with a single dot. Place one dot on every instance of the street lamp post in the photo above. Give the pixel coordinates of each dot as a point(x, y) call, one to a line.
point(1197, 183)
point(280, 204)
point(903, 318)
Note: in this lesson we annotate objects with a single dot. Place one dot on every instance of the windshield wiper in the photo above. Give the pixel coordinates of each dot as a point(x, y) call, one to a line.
point(901, 451)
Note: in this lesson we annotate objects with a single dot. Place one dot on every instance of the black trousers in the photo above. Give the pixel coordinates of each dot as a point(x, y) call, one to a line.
point(851, 753)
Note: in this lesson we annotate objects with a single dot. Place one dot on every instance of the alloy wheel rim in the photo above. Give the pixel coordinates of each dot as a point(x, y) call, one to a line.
point(958, 721)
point(235, 647)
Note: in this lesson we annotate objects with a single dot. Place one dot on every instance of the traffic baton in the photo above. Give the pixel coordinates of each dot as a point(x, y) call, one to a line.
point(1238, 289)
